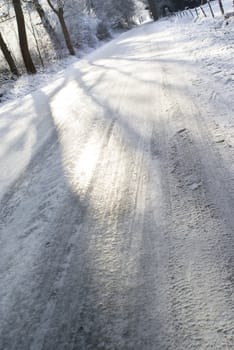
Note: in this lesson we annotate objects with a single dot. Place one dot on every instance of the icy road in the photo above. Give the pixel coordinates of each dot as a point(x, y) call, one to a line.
point(117, 206)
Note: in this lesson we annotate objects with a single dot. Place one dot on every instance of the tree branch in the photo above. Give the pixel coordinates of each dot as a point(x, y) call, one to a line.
point(52, 7)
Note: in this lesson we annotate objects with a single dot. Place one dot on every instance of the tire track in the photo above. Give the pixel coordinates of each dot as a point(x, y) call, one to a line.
point(201, 289)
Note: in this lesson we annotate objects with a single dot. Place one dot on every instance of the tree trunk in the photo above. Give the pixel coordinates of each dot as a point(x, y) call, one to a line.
point(8, 56)
point(65, 32)
point(153, 9)
point(60, 13)
point(46, 23)
point(23, 37)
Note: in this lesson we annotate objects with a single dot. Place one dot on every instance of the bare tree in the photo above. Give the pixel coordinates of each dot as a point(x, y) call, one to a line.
point(46, 23)
point(59, 11)
point(23, 37)
point(7, 54)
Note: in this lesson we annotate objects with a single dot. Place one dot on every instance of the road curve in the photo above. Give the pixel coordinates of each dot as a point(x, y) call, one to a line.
point(118, 235)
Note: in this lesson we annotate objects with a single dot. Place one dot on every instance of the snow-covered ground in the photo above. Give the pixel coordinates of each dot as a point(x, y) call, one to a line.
point(117, 197)
point(26, 84)
point(210, 44)
point(207, 42)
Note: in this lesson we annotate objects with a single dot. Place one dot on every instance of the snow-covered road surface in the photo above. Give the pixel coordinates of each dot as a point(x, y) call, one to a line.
point(117, 217)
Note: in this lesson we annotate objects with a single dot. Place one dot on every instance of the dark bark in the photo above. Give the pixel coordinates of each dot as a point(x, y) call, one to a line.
point(179, 5)
point(60, 13)
point(66, 33)
point(153, 9)
point(7, 54)
point(23, 37)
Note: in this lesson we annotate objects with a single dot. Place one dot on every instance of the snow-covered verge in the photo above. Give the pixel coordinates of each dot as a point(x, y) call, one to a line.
point(11, 89)
point(208, 43)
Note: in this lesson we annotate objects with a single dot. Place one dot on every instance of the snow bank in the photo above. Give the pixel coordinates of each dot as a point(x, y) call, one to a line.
point(208, 42)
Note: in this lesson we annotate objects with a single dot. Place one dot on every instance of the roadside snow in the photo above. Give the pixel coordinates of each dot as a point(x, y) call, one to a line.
point(26, 84)
point(208, 44)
